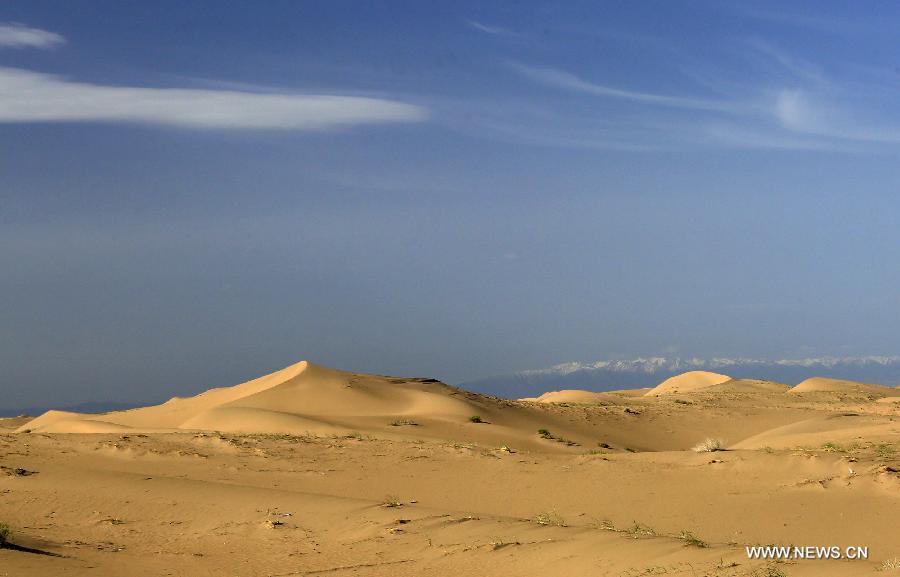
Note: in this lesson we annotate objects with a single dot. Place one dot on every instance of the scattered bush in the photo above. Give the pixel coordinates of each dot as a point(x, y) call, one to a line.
point(545, 434)
point(692, 540)
point(499, 543)
point(605, 525)
point(710, 445)
point(4, 534)
point(476, 419)
point(551, 518)
point(391, 501)
point(638, 530)
point(404, 423)
point(832, 448)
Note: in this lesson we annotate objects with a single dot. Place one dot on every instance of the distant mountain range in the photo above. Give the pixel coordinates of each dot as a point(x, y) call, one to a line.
point(648, 372)
point(624, 374)
point(90, 407)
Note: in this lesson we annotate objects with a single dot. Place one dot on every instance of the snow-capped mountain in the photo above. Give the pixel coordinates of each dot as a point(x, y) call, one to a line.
point(650, 371)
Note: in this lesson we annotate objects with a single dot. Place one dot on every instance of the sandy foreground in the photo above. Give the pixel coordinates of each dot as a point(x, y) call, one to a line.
point(311, 471)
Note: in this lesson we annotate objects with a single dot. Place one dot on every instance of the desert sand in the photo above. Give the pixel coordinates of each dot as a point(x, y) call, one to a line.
point(315, 471)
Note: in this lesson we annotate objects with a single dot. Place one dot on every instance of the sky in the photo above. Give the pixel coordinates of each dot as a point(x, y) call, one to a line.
point(194, 194)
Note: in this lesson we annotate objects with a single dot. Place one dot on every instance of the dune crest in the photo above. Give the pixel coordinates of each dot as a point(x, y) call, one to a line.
point(687, 382)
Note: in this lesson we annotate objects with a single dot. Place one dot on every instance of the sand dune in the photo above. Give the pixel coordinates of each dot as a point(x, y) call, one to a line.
point(687, 382)
point(291, 474)
point(306, 398)
point(826, 385)
point(298, 398)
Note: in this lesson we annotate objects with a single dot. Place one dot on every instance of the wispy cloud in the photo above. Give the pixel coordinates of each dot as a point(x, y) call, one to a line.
point(568, 81)
point(29, 97)
point(15, 35)
point(781, 101)
point(487, 29)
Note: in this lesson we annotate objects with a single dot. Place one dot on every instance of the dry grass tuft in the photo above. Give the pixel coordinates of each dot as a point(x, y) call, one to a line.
point(550, 518)
point(692, 540)
point(391, 501)
point(710, 445)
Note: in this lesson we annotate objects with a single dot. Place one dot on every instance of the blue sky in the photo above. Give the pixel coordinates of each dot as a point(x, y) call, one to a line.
point(197, 193)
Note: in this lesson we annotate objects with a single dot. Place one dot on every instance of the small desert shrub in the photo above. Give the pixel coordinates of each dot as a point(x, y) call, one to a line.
point(499, 543)
point(4, 534)
point(832, 448)
point(603, 525)
point(890, 564)
point(692, 540)
point(709, 446)
point(391, 501)
point(603, 445)
point(545, 434)
point(476, 419)
point(404, 423)
point(639, 530)
point(550, 518)
point(884, 451)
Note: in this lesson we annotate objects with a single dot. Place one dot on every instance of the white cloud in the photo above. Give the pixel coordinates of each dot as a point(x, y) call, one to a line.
point(494, 30)
point(569, 81)
point(27, 97)
point(14, 35)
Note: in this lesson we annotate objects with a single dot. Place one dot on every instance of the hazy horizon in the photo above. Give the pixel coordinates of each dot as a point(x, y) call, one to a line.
point(194, 196)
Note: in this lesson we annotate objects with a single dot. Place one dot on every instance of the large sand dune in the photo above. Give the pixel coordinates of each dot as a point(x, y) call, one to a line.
point(303, 397)
point(306, 398)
